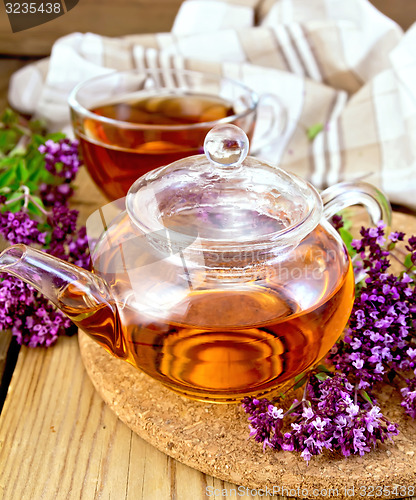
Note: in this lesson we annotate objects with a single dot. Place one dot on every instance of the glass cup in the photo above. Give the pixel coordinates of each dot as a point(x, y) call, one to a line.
point(131, 122)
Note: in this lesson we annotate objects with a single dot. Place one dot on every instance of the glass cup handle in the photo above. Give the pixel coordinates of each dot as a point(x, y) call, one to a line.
point(271, 111)
point(346, 194)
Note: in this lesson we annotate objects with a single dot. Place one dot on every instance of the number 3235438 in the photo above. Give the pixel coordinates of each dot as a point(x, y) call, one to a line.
point(33, 8)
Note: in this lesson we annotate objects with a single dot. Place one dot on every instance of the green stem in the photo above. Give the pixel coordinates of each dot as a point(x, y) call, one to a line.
point(305, 390)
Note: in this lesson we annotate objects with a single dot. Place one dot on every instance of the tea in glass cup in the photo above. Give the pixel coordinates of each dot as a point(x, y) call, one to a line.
point(131, 122)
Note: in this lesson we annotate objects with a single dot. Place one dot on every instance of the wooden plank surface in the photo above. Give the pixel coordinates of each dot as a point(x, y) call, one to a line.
point(5, 339)
point(58, 440)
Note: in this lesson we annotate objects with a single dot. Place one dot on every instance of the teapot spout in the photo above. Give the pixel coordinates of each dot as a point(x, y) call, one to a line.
point(81, 295)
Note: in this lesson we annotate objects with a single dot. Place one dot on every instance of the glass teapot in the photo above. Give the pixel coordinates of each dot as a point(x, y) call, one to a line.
point(220, 278)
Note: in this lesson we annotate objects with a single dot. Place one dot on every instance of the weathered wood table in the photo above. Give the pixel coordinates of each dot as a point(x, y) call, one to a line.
point(59, 440)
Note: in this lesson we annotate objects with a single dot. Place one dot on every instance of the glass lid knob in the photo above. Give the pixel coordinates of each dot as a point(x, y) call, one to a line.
point(226, 146)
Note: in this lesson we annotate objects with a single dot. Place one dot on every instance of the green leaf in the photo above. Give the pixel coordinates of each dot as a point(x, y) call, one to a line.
point(35, 162)
point(33, 208)
point(302, 381)
point(299, 377)
point(8, 139)
point(408, 261)
point(37, 140)
point(8, 162)
point(35, 165)
point(32, 186)
point(55, 136)
point(48, 240)
point(9, 117)
point(21, 170)
point(365, 395)
point(321, 376)
point(38, 127)
point(36, 168)
point(7, 178)
point(314, 130)
point(58, 166)
point(348, 223)
point(323, 368)
point(347, 239)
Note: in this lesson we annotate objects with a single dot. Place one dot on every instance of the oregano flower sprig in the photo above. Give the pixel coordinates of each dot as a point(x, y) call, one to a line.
point(328, 417)
point(379, 343)
point(36, 174)
point(338, 410)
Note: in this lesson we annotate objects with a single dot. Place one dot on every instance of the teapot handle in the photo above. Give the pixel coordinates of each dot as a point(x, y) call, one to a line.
point(346, 194)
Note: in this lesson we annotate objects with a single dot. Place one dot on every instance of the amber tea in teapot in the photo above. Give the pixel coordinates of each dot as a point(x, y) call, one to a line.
point(222, 277)
point(229, 343)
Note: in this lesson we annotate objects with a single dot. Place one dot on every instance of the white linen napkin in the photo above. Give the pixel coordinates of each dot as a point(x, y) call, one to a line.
point(338, 63)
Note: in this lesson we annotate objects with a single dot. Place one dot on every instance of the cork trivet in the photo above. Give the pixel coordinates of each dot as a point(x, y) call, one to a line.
point(214, 438)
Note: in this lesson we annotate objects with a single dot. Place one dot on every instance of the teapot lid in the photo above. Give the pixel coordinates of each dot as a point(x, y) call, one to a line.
point(225, 198)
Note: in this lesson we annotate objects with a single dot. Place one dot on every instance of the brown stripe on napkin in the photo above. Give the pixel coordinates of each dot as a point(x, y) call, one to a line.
point(286, 46)
point(342, 150)
point(305, 54)
point(313, 52)
point(325, 39)
point(145, 57)
point(280, 50)
point(296, 50)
